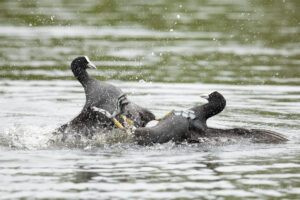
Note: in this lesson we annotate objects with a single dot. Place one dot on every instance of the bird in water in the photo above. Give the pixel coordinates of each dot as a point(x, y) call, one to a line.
point(101, 95)
point(178, 125)
point(191, 126)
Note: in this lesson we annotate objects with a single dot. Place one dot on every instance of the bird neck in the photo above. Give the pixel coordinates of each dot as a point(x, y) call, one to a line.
point(212, 108)
point(80, 74)
point(209, 109)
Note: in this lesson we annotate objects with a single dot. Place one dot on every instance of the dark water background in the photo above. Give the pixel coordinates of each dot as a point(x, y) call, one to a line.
point(163, 54)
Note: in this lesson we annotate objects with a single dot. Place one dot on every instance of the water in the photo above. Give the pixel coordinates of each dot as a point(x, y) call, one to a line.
point(163, 54)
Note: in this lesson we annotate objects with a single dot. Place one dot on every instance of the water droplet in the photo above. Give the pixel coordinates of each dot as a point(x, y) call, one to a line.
point(178, 16)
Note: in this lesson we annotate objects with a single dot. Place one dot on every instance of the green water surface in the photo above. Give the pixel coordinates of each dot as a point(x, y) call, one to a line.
point(224, 42)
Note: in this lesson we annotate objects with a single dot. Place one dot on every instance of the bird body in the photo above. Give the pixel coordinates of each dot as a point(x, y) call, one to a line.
point(178, 128)
point(101, 95)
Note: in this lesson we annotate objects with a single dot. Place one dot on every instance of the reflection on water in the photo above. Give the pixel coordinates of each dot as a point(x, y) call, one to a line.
point(247, 50)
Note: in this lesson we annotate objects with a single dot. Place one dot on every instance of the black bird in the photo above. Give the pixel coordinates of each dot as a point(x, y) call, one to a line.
point(102, 95)
point(178, 126)
point(192, 127)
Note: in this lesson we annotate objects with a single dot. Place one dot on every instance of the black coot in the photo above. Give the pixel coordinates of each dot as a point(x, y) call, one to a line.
point(102, 95)
point(178, 127)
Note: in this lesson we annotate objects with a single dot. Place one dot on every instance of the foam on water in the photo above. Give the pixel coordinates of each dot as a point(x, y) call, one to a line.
point(25, 137)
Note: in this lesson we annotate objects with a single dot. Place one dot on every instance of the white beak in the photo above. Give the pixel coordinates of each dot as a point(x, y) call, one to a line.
point(205, 96)
point(91, 65)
